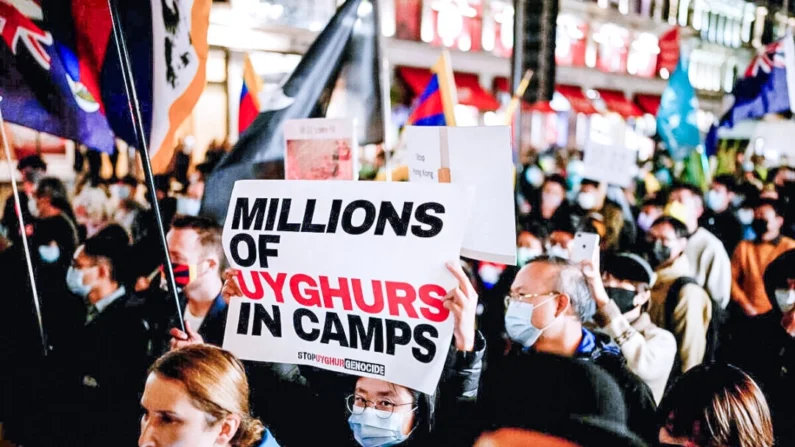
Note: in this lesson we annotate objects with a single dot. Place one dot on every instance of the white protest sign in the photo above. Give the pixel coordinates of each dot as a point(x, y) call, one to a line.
point(345, 276)
point(480, 157)
point(612, 164)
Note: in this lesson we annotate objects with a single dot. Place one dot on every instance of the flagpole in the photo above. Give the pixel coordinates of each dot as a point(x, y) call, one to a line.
point(25, 246)
point(386, 103)
point(137, 121)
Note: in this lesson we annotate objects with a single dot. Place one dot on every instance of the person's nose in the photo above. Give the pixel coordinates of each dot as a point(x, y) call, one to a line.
point(147, 438)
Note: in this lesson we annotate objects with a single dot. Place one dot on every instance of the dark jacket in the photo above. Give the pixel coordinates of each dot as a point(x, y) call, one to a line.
point(161, 306)
point(725, 226)
point(599, 348)
point(98, 378)
point(282, 393)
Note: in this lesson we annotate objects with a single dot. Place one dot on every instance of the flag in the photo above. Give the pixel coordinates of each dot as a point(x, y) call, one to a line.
point(77, 92)
point(436, 104)
point(259, 153)
point(677, 123)
point(41, 84)
point(249, 96)
point(359, 96)
point(768, 85)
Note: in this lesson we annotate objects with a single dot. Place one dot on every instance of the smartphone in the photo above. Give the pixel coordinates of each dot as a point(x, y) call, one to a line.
point(585, 247)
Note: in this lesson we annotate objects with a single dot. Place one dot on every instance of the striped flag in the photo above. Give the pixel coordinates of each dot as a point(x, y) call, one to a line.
point(249, 96)
point(436, 104)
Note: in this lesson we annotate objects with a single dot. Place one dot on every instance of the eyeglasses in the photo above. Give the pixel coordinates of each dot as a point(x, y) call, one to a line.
point(527, 297)
point(357, 404)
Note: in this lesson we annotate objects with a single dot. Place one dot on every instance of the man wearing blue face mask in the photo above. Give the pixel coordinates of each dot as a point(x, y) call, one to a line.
point(548, 303)
point(101, 368)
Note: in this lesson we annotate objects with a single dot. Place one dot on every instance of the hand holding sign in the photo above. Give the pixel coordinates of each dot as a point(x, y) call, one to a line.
point(231, 288)
point(462, 302)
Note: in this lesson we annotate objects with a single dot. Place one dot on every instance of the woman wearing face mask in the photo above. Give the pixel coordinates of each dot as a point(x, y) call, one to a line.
point(381, 413)
point(198, 396)
point(622, 299)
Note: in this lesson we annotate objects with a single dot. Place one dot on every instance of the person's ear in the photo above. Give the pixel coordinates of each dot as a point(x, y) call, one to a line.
point(103, 270)
point(213, 263)
point(779, 221)
point(564, 302)
point(642, 298)
point(229, 427)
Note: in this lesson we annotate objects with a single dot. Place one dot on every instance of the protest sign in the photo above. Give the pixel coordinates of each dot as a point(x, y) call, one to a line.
point(480, 157)
point(616, 165)
point(345, 276)
point(319, 149)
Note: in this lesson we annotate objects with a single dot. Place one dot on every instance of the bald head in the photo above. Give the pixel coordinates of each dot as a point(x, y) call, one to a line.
point(515, 437)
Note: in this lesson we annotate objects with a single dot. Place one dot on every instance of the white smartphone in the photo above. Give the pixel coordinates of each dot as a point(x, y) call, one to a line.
point(585, 247)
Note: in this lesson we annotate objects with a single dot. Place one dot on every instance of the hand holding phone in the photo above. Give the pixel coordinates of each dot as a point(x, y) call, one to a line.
point(586, 248)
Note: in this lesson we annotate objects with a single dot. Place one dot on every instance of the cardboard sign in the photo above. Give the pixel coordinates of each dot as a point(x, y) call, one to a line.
point(345, 276)
point(320, 149)
point(611, 164)
point(480, 157)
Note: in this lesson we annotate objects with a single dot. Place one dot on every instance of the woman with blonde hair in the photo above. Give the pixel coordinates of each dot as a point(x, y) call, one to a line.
point(715, 405)
point(198, 396)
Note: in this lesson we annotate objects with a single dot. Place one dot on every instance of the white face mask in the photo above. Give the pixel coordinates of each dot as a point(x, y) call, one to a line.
point(587, 200)
point(785, 299)
point(526, 254)
point(374, 428)
point(534, 176)
point(645, 222)
point(716, 201)
point(745, 216)
point(558, 251)
point(188, 206)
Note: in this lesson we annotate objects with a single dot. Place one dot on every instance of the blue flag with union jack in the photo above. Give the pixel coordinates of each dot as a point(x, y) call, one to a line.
point(768, 84)
point(40, 82)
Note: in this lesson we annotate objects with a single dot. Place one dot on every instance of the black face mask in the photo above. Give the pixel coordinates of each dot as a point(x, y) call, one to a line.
point(759, 226)
point(659, 253)
point(623, 298)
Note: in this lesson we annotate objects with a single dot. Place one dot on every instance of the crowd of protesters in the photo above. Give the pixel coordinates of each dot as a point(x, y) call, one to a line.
point(681, 333)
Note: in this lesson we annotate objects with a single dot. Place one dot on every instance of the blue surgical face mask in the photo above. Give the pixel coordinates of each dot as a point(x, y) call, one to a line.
point(49, 253)
point(74, 281)
point(374, 428)
point(188, 206)
point(519, 322)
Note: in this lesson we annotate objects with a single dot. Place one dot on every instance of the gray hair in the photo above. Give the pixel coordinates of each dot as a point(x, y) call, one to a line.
point(572, 282)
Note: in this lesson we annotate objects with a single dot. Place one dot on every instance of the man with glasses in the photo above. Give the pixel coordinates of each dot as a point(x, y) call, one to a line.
point(548, 303)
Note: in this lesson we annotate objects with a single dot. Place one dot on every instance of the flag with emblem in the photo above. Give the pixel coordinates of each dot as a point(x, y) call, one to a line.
point(61, 72)
point(677, 123)
point(768, 85)
point(40, 80)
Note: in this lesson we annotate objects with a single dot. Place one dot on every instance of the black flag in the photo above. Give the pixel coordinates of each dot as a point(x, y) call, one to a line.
point(360, 78)
point(260, 151)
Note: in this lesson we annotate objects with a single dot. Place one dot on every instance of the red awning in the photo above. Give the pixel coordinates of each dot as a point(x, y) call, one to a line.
point(577, 99)
point(649, 103)
point(501, 85)
point(615, 101)
point(470, 92)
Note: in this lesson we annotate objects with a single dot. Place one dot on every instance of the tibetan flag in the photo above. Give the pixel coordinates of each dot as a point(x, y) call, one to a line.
point(249, 96)
point(436, 104)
